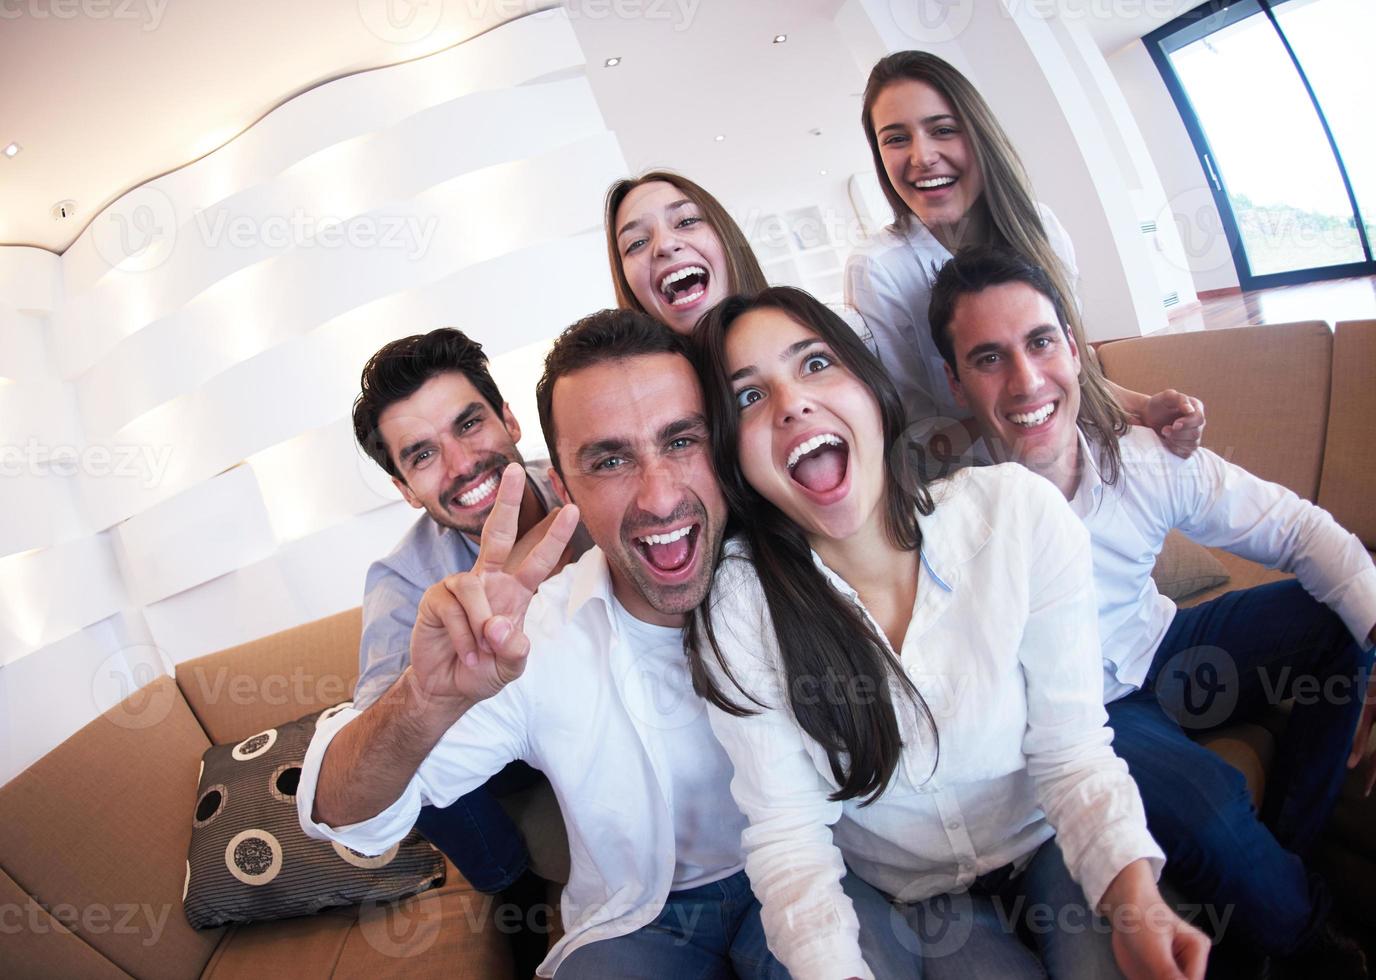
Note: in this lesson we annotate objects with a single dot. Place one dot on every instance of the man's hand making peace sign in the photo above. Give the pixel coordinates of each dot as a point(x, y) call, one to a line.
point(469, 641)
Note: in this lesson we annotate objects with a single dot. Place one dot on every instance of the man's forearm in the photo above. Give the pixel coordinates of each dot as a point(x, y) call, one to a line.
point(371, 760)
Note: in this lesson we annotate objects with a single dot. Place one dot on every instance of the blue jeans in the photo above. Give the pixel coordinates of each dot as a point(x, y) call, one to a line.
point(705, 932)
point(1223, 662)
point(477, 835)
point(1030, 925)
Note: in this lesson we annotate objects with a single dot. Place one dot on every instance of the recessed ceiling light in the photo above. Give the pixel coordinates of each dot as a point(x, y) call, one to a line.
point(611, 62)
point(823, 172)
point(780, 38)
point(719, 137)
point(13, 150)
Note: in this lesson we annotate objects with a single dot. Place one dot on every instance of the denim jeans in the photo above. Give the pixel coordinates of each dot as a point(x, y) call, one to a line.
point(1223, 662)
point(477, 835)
point(1029, 925)
point(706, 932)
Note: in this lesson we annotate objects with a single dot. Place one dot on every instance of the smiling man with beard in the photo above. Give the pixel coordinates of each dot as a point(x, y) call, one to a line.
point(430, 414)
point(587, 680)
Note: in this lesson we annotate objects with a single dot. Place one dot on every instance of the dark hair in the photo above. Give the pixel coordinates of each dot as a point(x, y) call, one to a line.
point(977, 269)
point(398, 371)
point(607, 335)
point(821, 635)
point(743, 269)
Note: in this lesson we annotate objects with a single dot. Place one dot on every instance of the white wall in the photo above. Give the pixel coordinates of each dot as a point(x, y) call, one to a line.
point(181, 473)
point(1190, 206)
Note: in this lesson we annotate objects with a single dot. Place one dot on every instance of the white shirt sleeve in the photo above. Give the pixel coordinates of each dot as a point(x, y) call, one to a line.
point(795, 869)
point(488, 736)
point(1222, 505)
point(897, 324)
point(1083, 787)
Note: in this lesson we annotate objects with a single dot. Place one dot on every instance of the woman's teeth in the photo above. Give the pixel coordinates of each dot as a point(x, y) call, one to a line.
point(933, 182)
point(690, 292)
point(816, 442)
point(1030, 419)
point(668, 537)
point(479, 492)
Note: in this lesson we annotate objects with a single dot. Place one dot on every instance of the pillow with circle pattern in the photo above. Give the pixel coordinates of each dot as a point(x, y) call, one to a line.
point(249, 858)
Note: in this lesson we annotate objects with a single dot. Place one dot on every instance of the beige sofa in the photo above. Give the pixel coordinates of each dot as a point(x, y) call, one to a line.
point(92, 858)
point(95, 838)
point(1294, 403)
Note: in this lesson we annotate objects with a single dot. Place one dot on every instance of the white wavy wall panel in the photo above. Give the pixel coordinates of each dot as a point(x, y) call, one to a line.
point(515, 54)
point(302, 581)
point(51, 593)
point(200, 346)
point(44, 699)
point(239, 253)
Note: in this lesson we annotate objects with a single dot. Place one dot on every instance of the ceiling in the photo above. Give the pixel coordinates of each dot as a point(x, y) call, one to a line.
point(1114, 24)
point(126, 90)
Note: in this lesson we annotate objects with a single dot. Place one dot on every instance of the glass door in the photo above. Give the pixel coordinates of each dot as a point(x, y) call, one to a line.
point(1276, 139)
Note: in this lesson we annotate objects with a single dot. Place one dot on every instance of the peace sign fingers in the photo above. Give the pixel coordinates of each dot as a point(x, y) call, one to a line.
point(545, 555)
point(499, 531)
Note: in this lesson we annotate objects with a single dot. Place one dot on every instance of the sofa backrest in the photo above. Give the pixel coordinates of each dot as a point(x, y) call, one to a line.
point(243, 690)
point(96, 834)
point(1349, 461)
point(1265, 390)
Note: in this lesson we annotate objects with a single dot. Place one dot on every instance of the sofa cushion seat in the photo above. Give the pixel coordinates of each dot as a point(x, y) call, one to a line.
point(100, 825)
point(445, 932)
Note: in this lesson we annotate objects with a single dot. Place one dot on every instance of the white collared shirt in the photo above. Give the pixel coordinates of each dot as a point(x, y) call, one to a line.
point(889, 283)
point(1214, 503)
point(587, 712)
point(1003, 646)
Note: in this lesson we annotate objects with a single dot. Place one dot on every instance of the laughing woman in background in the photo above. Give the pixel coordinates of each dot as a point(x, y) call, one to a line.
point(953, 179)
point(674, 251)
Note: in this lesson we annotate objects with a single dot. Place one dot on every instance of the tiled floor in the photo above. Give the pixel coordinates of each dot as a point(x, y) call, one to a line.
point(1334, 300)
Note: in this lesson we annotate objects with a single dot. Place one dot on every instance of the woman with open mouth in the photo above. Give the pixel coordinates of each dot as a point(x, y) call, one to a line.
point(953, 179)
point(674, 251)
point(907, 680)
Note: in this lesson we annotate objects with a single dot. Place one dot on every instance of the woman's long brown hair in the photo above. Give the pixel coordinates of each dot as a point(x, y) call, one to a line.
point(840, 674)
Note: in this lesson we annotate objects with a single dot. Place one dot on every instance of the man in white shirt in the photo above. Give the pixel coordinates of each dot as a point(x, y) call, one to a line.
point(430, 414)
point(1000, 326)
point(603, 706)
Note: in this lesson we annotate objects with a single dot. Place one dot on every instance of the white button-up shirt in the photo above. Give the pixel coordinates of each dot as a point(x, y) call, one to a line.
point(1215, 503)
point(594, 720)
point(889, 283)
point(1003, 647)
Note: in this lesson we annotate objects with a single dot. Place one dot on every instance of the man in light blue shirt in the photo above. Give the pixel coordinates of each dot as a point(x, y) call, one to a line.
point(1000, 326)
point(430, 414)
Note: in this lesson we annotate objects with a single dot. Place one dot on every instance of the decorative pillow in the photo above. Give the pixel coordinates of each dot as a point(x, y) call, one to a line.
point(1184, 568)
point(249, 858)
